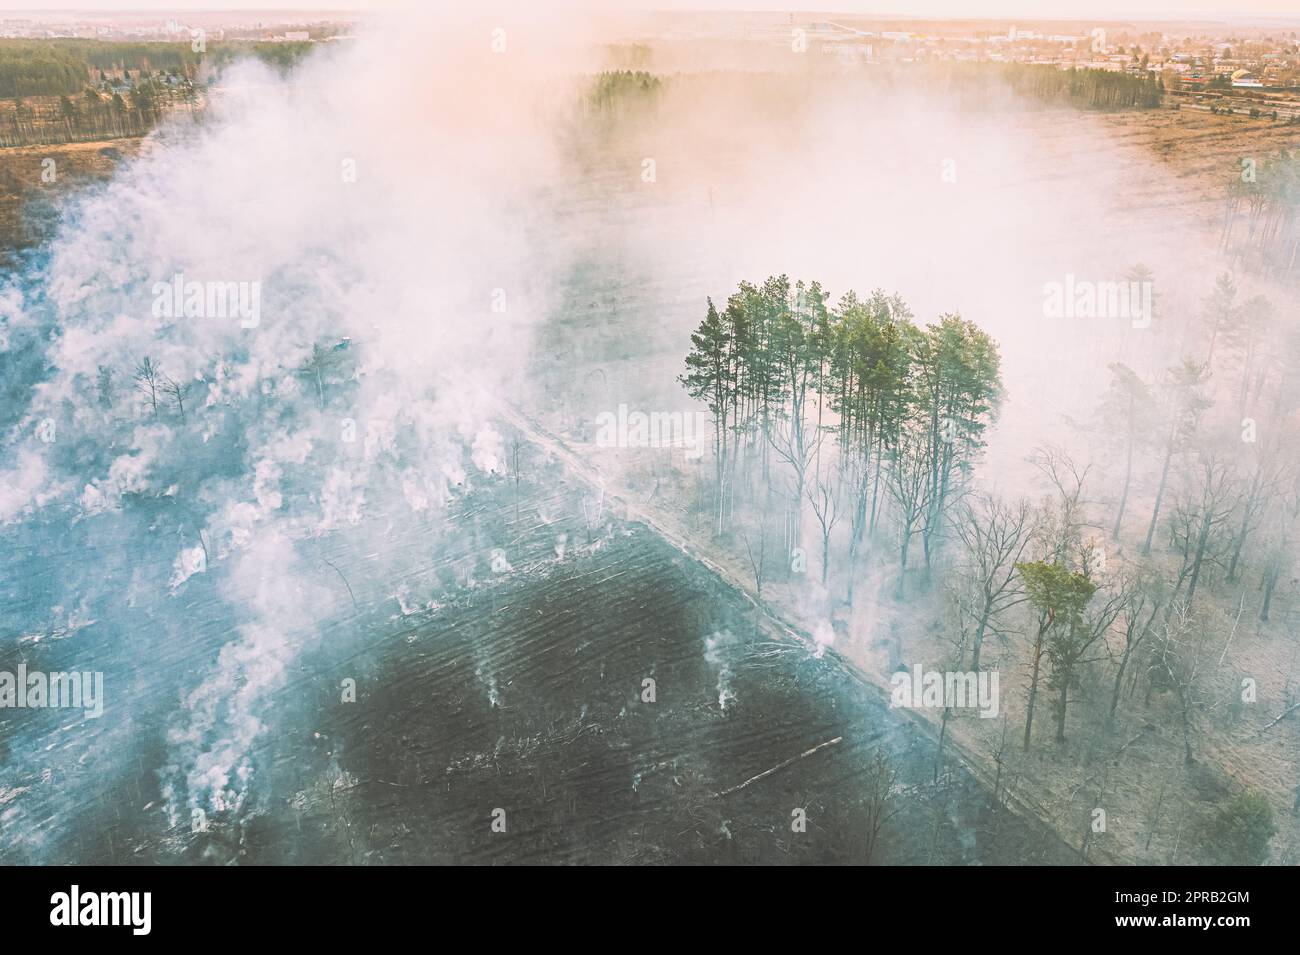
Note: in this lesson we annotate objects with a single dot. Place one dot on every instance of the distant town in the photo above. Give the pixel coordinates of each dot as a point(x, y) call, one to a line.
point(256, 26)
point(1219, 57)
point(1185, 56)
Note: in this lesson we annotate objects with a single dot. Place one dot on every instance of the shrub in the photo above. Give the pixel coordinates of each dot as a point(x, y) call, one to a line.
point(1239, 833)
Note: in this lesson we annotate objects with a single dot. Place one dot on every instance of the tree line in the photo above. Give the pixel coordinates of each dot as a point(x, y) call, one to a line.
point(38, 70)
point(1087, 88)
point(55, 67)
point(94, 114)
point(981, 85)
point(64, 67)
point(1123, 584)
point(1260, 227)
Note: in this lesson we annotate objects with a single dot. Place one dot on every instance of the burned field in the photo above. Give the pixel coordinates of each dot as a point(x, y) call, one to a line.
point(586, 771)
point(527, 697)
point(518, 695)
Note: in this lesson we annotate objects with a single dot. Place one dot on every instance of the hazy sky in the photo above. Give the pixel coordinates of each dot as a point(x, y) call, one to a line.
point(1082, 9)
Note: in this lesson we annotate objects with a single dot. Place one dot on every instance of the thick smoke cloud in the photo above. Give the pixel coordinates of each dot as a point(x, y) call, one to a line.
point(381, 216)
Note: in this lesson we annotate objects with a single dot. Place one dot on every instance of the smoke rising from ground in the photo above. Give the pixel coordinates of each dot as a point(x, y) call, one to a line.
point(420, 212)
point(396, 232)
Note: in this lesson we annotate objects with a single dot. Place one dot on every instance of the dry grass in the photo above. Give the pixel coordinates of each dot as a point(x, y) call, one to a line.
point(75, 165)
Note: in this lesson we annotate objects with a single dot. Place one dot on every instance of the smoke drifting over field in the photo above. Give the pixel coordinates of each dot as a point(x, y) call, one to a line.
point(425, 213)
point(396, 233)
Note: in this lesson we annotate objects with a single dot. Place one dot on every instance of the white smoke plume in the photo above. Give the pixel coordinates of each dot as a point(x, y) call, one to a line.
point(388, 204)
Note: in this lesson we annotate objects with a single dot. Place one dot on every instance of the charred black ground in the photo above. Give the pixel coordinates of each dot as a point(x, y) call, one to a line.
point(523, 692)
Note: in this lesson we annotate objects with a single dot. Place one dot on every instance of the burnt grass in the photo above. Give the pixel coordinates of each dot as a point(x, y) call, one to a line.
point(526, 697)
point(520, 689)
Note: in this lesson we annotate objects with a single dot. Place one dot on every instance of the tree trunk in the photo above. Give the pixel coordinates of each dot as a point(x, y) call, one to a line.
point(943, 731)
point(1201, 541)
point(1119, 679)
point(1062, 703)
point(1269, 583)
point(1033, 685)
point(979, 637)
point(826, 555)
point(1160, 494)
point(1245, 527)
point(1123, 497)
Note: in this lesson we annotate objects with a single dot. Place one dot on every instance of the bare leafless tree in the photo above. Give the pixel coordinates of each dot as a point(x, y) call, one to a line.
point(1203, 508)
point(908, 485)
point(1179, 664)
point(1143, 603)
point(758, 555)
point(993, 535)
point(318, 366)
point(176, 391)
point(148, 381)
point(824, 494)
point(878, 791)
point(1060, 529)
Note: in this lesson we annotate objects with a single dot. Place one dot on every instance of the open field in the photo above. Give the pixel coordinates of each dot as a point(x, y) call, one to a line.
point(29, 198)
point(523, 690)
point(1200, 152)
